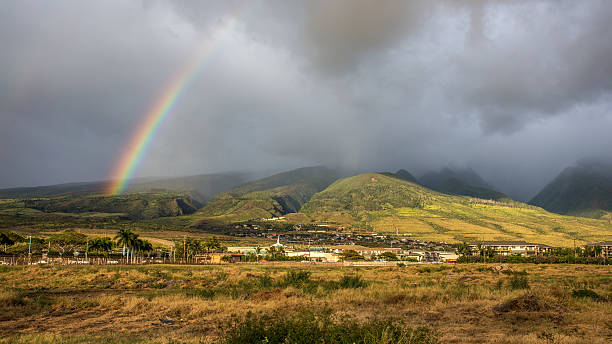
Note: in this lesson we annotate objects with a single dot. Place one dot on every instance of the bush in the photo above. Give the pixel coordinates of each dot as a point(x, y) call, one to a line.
point(519, 282)
point(354, 282)
point(296, 278)
point(265, 281)
point(202, 293)
point(401, 265)
point(586, 293)
point(308, 328)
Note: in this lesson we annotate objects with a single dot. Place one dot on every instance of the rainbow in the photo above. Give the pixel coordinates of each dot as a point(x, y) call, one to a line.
point(162, 107)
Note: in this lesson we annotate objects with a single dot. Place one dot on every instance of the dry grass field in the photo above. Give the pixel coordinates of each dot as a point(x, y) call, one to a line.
point(210, 304)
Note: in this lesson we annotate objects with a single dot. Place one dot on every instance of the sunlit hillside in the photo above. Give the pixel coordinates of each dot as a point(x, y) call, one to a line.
point(133, 206)
point(276, 195)
point(385, 204)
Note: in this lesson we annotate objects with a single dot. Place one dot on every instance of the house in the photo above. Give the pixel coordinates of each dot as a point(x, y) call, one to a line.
point(449, 257)
point(513, 248)
point(217, 258)
point(246, 250)
point(367, 252)
point(315, 256)
point(606, 248)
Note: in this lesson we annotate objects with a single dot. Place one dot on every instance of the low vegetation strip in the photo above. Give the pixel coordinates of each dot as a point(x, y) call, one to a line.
point(307, 328)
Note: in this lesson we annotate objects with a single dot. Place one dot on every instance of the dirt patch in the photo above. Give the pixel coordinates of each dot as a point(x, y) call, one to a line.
point(531, 308)
point(529, 302)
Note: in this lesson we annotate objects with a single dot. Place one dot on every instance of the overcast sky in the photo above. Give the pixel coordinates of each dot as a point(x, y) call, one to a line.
point(517, 90)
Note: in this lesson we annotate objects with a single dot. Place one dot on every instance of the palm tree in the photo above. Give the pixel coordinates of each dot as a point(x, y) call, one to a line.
point(464, 249)
point(598, 249)
point(101, 245)
point(141, 246)
point(146, 246)
point(5, 240)
point(126, 237)
point(212, 243)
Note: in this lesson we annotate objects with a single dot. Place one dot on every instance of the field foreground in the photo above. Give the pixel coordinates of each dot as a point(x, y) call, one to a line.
point(305, 303)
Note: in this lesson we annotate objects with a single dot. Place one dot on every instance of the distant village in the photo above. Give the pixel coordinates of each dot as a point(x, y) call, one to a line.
point(405, 251)
point(312, 243)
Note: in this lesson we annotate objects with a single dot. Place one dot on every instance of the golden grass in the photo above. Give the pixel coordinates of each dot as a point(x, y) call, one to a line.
point(95, 304)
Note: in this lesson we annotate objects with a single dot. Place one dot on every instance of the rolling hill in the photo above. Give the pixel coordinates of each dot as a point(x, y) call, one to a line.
point(133, 206)
point(383, 203)
point(461, 182)
point(273, 196)
point(584, 189)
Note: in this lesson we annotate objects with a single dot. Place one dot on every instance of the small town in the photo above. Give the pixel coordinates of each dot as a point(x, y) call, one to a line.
point(347, 248)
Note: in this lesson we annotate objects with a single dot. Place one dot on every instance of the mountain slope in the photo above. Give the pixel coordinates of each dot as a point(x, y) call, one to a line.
point(460, 182)
point(273, 196)
point(200, 187)
point(407, 176)
point(53, 190)
point(131, 206)
point(382, 203)
point(584, 189)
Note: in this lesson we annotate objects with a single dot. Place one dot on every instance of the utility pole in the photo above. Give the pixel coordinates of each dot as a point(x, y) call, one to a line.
point(185, 248)
point(309, 255)
point(30, 251)
point(86, 249)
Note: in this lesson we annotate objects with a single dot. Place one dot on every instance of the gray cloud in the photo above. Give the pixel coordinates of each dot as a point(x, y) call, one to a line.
point(517, 90)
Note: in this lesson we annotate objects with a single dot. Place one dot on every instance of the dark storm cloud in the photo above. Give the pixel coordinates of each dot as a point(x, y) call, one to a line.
point(516, 89)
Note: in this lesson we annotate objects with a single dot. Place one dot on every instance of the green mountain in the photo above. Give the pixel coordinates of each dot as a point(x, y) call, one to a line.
point(387, 204)
point(53, 190)
point(130, 206)
point(273, 196)
point(584, 189)
point(461, 182)
point(200, 187)
point(407, 176)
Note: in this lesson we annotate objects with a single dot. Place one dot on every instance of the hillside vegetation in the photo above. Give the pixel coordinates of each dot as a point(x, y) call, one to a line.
point(273, 196)
point(383, 203)
point(139, 206)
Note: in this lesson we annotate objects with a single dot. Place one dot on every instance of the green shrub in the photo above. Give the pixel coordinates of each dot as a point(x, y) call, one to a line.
point(426, 269)
point(308, 328)
point(401, 265)
point(355, 281)
point(296, 278)
point(265, 281)
point(519, 281)
point(586, 293)
point(202, 293)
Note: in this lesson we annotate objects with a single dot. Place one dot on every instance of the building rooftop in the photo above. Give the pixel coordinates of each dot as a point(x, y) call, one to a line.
point(508, 243)
point(601, 243)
